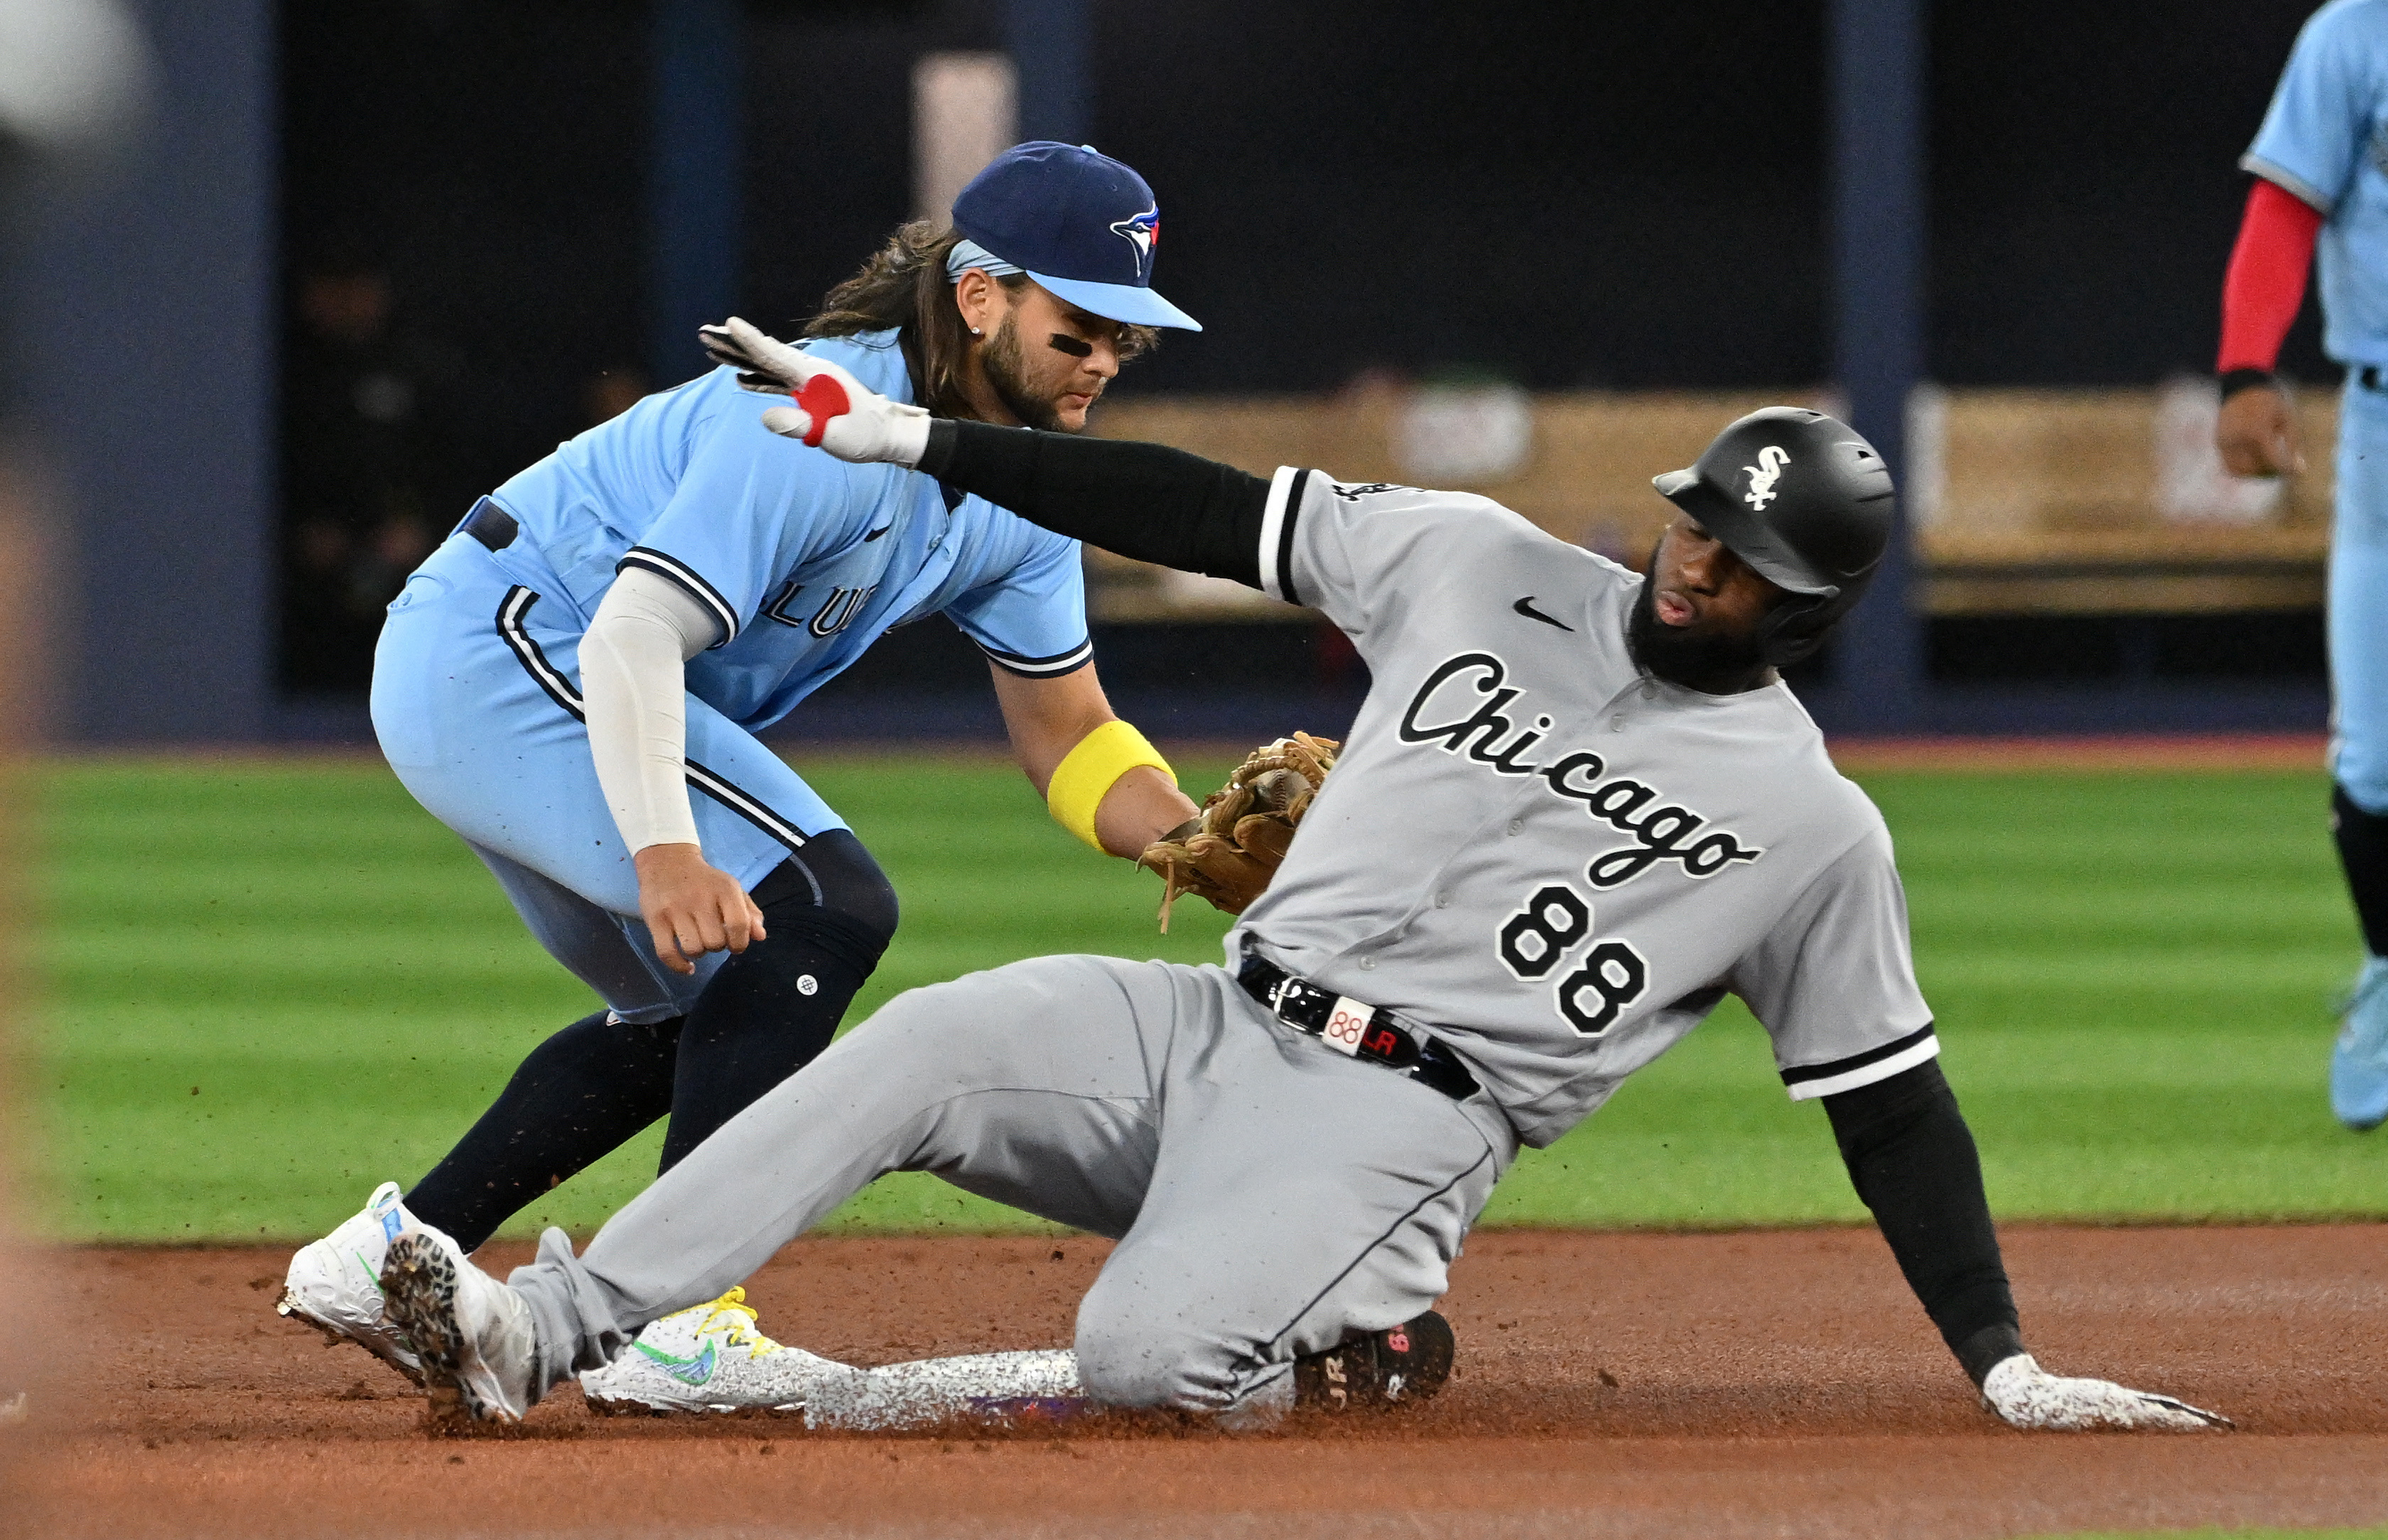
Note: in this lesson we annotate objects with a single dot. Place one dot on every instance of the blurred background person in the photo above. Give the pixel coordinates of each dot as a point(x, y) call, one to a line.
point(373, 463)
point(2320, 161)
point(76, 83)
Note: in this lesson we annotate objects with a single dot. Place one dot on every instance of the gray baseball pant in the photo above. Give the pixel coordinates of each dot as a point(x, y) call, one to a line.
point(1271, 1197)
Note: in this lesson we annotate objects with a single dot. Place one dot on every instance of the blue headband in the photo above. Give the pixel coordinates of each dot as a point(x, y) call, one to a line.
point(968, 254)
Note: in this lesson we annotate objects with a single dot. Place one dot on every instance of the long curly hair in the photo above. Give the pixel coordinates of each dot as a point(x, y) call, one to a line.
point(903, 285)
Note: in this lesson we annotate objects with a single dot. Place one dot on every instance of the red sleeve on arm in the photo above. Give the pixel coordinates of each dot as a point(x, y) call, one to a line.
point(2267, 279)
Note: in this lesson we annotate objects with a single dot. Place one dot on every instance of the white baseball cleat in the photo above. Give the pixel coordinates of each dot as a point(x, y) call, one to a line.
point(335, 1283)
point(473, 1334)
point(709, 1358)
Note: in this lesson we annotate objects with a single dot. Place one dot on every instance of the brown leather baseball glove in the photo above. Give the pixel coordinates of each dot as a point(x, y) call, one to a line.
point(1229, 851)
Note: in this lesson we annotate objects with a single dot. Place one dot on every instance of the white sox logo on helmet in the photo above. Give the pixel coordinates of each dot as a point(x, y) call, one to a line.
point(1764, 474)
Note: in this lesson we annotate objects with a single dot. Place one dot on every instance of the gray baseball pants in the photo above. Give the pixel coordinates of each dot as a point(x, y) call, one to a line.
point(1271, 1197)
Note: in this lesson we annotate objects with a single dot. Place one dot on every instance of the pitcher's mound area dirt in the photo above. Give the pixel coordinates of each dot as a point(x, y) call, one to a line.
point(1779, 1383)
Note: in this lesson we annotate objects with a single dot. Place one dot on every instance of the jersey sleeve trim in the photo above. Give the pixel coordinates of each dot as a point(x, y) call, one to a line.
point(2287, 181)
point(1277, 518)
point(687, 577)
point(1809, 1081)
point(1050, 666)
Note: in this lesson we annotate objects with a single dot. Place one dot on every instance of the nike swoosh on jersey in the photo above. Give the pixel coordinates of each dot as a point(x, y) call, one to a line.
point(1525, 608)
point(877, 533)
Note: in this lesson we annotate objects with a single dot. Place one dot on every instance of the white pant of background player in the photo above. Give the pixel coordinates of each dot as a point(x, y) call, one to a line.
point(1271, 1197)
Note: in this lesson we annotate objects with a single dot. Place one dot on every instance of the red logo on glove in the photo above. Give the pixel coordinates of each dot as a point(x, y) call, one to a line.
point(822, 398)
point(1398, 1340)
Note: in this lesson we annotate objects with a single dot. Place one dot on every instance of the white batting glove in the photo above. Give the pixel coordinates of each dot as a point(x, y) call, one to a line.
point(2028, 1396)
point(833, 411)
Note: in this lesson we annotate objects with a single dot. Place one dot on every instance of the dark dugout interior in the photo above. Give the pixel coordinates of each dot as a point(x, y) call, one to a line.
point(1567, 195)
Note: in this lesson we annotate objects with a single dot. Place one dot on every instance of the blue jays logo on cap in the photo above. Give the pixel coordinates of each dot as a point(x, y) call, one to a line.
point(1142, 232)
point(1060, 212)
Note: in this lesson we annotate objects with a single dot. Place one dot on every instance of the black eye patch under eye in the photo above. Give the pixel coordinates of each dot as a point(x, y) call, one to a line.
point(1062, 342)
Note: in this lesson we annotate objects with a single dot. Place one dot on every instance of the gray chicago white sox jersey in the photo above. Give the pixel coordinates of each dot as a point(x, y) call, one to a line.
point(1555, 863)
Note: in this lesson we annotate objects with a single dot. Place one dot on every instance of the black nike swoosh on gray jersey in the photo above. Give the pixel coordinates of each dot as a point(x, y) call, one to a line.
point(877, 533)
point(1525, 608)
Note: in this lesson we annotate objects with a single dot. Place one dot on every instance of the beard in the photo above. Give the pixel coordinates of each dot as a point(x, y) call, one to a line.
point(1696, 660)
point(1005, 371)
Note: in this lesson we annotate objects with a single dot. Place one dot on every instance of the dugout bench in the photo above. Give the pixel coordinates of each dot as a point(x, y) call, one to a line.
point(2022, 501)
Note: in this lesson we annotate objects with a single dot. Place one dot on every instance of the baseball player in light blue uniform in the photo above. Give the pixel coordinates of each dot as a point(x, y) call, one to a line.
point(2321, 157)
point(606, 632)
point(476, 697)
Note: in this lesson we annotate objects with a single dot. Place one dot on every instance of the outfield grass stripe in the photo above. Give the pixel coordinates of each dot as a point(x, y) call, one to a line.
point(2156, 971)
point(2131, 973)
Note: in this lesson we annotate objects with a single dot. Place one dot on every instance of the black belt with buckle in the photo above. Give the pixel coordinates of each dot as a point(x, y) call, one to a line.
point(490, 524)
point(1356, 1028)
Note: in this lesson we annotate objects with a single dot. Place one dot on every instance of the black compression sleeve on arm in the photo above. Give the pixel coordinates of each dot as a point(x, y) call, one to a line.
point(1913, 1161)
point(1140, 501)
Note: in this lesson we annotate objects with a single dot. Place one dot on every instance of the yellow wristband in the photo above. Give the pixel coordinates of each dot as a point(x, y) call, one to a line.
point(1087, 773)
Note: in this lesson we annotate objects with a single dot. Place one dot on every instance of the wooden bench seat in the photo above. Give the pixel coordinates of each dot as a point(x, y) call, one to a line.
point(2022, 501)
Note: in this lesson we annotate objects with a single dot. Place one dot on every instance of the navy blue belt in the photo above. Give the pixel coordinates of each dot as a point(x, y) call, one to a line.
point(1356, 1028)
point(490, 524)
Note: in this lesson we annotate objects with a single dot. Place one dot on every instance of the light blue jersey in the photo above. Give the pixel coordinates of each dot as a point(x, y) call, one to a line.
point(802, 559)
point(2324, 140)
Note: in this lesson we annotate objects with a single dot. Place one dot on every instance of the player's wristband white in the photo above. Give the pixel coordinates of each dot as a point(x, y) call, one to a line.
point(907, 434)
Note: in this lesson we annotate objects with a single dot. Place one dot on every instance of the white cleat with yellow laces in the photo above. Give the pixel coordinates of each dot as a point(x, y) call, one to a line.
point(710, 1357)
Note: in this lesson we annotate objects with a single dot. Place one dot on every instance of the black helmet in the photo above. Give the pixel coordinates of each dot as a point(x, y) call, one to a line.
point(1806, 502)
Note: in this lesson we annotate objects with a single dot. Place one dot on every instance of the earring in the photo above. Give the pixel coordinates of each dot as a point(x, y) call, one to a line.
point(975, 331)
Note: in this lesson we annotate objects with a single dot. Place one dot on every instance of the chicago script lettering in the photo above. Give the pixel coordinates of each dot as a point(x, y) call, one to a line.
point(1463, 708)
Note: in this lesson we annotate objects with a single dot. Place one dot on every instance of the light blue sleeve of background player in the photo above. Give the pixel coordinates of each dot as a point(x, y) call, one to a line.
point(748, 510)
point(2315, 134)
point(1032, 618)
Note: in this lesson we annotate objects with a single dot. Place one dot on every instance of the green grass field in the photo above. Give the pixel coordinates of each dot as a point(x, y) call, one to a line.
point(269, 985)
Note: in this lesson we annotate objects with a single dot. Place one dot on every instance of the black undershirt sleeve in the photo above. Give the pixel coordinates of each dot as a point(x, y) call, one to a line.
point(1913, 1161)
point(1140, 501)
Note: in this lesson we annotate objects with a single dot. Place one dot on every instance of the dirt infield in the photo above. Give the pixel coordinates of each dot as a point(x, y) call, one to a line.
point(1779, 1383)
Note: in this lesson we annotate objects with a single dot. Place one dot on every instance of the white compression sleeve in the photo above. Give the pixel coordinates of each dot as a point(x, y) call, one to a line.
point(633, 687)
